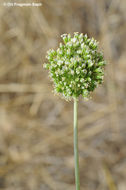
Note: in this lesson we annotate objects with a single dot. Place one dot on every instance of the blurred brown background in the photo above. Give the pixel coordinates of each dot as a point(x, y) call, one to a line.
point(36, 132)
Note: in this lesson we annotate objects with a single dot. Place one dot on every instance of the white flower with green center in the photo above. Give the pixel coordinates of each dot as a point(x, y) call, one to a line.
point(77, 57)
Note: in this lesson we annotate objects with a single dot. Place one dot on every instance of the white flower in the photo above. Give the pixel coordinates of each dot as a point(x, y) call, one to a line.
point(76, 63)
point(84, 71)
point(82, 45)
point(74, 40)
point(66, 62)
point(68, 51)
point(63, 78)
point(81, 80)
point(72, 72)
point(60, 62)
point(78, 72)
point(69, 44)
point(79, 51)
point(63, 35)
point(64, 83)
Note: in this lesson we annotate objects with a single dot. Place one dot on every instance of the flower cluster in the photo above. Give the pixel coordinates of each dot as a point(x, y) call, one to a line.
point(76, 67)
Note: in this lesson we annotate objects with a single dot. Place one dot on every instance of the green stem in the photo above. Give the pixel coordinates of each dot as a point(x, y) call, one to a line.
point(76, 156)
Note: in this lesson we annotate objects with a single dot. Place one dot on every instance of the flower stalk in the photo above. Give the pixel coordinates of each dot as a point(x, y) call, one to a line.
point(76, 155)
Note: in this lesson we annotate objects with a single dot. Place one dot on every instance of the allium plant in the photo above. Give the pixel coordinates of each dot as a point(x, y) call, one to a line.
point(76, 68)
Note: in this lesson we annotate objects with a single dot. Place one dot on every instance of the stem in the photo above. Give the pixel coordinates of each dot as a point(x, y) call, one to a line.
point(76, 157)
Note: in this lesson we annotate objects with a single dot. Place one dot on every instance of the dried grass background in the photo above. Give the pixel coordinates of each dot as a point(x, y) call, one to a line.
point(36, 132)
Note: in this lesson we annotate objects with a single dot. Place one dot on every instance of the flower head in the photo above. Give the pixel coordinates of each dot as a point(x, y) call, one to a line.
point(76, 67)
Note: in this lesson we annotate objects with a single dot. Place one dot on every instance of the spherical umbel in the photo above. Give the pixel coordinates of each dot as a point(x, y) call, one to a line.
point(76, 67)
